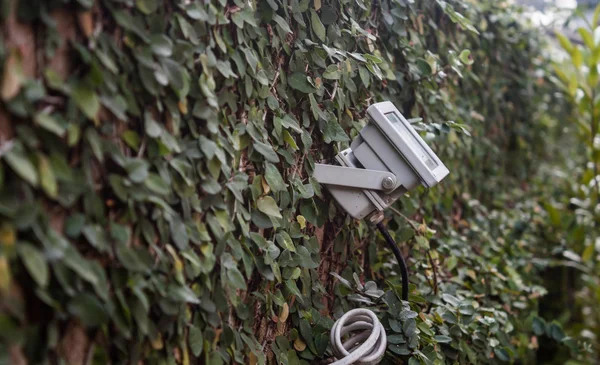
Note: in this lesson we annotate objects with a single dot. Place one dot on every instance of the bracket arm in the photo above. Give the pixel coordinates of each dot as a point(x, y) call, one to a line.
point(355, 177)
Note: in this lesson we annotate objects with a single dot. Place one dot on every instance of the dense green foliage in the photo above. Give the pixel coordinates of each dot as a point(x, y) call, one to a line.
point(156, 201)
point(573, 208)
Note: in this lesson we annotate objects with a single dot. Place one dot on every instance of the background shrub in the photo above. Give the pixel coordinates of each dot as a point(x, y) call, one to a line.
point(156, 202)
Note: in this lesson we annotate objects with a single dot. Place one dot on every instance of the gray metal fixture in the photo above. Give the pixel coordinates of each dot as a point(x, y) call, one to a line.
point(387, 159)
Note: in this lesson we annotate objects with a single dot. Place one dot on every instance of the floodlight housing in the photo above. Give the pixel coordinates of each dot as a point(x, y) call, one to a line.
point(387, 159)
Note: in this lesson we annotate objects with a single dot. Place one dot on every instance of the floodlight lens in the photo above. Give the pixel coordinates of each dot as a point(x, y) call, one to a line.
point(412, 141)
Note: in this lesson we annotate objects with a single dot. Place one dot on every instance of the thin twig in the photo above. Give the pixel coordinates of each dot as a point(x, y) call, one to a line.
point(443, 69)
point(300, 162)
point(335, 87)
point(142, 147)
point(275, 81)
point(298, 165)
point(434, 285)
point(397, 212)
point(434, 268)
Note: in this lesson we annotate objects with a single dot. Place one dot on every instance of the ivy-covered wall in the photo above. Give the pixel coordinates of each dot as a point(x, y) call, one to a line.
point(156, 203)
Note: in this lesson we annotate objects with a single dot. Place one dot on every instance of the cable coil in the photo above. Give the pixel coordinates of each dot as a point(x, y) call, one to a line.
point(366, 347)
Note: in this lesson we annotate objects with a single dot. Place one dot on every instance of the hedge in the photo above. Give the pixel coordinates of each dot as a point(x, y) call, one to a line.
point(156, 199)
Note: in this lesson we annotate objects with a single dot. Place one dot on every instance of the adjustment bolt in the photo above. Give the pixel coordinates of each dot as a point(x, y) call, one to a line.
point(388, 183)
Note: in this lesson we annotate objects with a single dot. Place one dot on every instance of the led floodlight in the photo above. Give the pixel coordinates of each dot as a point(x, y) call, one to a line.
point(387, 159)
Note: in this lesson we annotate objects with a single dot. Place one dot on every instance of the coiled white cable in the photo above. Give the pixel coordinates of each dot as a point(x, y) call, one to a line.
point(363, 348)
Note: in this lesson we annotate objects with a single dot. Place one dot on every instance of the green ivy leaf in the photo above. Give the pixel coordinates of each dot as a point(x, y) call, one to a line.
point(375, 70)
point(317, 26)
point(556, 332)
point(422, 243)
point(196, 340)
point(137, 169)
point(272, 102)
point(443, 339)
point(251, 58)
point(396, 339)
point(364, 76)
point(538, 326)
point(285, 241)
point(282, 23)
point(130, 259)
point(424, 67)
point(332, 72)
point(305, 329)
point(238, 184)
point(87, 100)
point(95, 235)
point(47, 178)
point(161, 45)
point(50, 124)
point(465, 57)
point(401, 349)
point(274, 178)
point(328, 14)
point(466, 309)
point(95, 143)
point(267, 151)
point(182, 293)
point(88, 308)
point(156, 184)
point(147, 6)
point(334, 132)
point(287, 137)
point(179, 232)
point(74, 225)
point(235, 278)
point(81, 266)
point(306, 260)
point(409, 327)
point(34, 262)
point(298, 81)
point(21, 164)
point(314, 107)
point(152, 127)
point(132, 139)
point(502, 355)
point(267, 205)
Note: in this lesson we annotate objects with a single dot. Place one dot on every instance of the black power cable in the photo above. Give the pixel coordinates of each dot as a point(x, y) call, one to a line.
point(394, 247)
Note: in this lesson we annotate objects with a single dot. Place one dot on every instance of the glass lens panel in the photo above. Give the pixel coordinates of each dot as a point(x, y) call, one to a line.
point(413, 143)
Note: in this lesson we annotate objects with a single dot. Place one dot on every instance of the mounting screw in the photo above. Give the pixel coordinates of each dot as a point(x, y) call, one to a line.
point(388, 183)
point(376, 217)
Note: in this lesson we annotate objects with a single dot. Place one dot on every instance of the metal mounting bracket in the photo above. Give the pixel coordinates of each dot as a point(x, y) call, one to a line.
point(353, 177)
point(359, 191)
